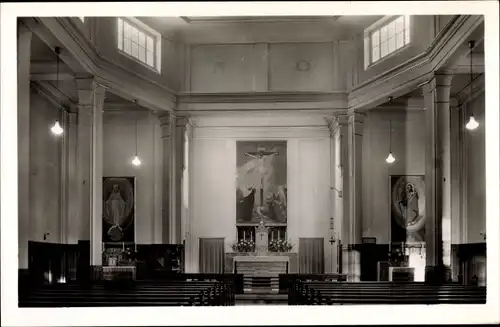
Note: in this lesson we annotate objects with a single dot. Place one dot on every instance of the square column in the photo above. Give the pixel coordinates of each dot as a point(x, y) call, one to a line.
point(343, 183)
point(333, 264)
point(90, 155)
point(166, 122)
point(71, 179)
point(437, 178)
point(180, 213)
point(355, 146)
point(23, 135)
point(458, 185)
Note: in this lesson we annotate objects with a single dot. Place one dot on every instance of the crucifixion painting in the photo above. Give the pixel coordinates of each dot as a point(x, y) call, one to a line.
point(261, 190)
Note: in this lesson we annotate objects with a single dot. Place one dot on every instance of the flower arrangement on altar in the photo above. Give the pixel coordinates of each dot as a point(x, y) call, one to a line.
point(243, 246)
point(398, 257)
point(115, 256)
point(280, 246)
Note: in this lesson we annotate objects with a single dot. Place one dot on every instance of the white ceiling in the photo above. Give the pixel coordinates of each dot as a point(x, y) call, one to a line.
point(250, 29)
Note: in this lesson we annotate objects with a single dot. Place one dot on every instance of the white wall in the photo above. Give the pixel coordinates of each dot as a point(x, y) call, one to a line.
point(408, 141)
point(262, 67)
point(119, 150)
point(476, 179)
point(214, 172)
point(45, 172)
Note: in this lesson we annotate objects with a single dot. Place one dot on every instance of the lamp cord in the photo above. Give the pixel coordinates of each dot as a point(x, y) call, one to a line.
point(390, 136)
point(136, 146)
point(471, 45)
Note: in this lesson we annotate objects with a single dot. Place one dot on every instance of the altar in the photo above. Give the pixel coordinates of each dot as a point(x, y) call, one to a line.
point(261, 268)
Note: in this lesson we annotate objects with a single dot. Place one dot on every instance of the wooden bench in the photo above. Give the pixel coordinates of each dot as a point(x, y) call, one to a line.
point(144, 293)
point(324, 293)
point(286, 280)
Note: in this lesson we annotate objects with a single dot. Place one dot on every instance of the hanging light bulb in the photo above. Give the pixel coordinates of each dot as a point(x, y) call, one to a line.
point(472, 123)
point(136, 161)
point(390, 158)
point(56, 129)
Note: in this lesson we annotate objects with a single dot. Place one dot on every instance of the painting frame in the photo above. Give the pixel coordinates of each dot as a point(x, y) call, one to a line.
point(130, 236)
point(276, 172)
point(418, 230)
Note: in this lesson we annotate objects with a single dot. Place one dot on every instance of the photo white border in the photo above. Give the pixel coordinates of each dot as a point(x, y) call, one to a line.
point(13, 316)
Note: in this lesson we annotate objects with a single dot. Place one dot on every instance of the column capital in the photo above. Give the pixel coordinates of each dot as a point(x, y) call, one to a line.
point(437, 80)
point(85, 82)
point(166, 125)
point(182, 121)
point(354, 116)
point(342, 119)
point(72, 117)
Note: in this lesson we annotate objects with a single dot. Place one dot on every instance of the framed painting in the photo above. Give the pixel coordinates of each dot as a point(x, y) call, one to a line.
point(407, 199)
point(118, 212)
point(261, 182)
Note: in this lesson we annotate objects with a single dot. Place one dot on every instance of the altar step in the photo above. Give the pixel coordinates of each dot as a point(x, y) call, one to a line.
point(260, 284)
point(261, 298)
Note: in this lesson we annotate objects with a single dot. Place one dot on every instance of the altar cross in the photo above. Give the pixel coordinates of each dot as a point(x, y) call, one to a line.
point(260, 154)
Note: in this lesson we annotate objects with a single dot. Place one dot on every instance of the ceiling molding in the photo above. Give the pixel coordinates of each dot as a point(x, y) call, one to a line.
point(262, 101)
point(257, 19)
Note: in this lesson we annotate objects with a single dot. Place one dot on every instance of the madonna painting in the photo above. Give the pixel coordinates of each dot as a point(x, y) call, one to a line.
point(408, 209)
point(118, 209)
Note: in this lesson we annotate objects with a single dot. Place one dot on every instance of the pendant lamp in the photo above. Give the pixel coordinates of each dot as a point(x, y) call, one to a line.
point(390, 158)
point(472, 123)
point(56, 129)
point(136, 161)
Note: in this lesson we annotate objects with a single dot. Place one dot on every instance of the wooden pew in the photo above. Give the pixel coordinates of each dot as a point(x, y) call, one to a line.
point(144, 293)
point(324, 293)
point(286, 280)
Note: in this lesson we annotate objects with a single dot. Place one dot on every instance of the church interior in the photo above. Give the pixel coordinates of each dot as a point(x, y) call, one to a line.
point(246, 160)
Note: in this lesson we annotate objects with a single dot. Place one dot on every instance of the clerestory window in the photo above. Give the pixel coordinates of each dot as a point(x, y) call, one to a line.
point(137, 40)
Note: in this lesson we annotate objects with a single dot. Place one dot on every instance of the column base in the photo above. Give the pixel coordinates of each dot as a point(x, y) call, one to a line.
point(351, 263)
point(437, 274)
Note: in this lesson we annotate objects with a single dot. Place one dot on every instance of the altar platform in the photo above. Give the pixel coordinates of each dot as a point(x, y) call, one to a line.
point(261, 272)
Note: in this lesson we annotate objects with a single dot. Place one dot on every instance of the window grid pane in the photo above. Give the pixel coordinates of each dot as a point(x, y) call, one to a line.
point(392, 44)
point(126, 45)
point(375, 54)
point(142, 54)
point(407, 29)
point(400, 40)
point(150, 45)
point(120, 34)
point(390, 37)
point(375, 39)
point(136, 43)
point(150, 58)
